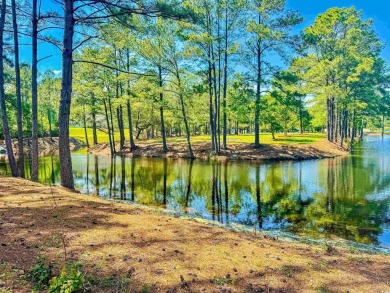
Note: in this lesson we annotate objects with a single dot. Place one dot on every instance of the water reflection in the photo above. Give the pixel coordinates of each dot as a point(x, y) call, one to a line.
point(345, 197)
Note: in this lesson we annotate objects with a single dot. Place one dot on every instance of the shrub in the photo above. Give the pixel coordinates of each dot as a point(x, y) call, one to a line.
point(70, 280)
point(40, 274)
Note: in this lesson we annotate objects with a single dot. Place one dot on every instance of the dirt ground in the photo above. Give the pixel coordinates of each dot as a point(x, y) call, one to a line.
point(125, 248)
point(317, 150)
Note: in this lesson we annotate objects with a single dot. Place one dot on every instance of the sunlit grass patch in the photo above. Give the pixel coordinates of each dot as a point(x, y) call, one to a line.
point(265, 138)
point(78, 133)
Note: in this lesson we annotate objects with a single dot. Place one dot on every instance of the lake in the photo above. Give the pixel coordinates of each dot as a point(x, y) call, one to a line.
point(347, 197)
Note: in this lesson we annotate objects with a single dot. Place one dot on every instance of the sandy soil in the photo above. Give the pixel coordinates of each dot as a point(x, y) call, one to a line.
point(317, 150)
point(117, 242)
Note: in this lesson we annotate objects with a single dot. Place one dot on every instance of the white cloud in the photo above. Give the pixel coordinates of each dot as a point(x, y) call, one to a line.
point(56, 72)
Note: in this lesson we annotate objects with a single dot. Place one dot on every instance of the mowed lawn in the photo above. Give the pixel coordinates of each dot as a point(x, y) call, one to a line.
point(265, 138)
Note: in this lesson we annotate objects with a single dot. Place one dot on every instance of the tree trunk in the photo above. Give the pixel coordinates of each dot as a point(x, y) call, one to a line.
point(212, 85)
point(300, 116)
point(383, 125)
point(218, 120)
point(225, 80)
point(342, 127)
point(185, 120)
point(131, 138)
point(94, 129)
point(112, 124)
point(353, 136)
point(85, 129)
point(97, 179)
point(216, 102)
point(187, 127)
point(18, 93)
point(120, 125)
point(108, 128)
point(132, 143)
point(4, 117)
point(163, 134)
point(211, 108)
point(42, 129)
point(50, 126)
point(362, 128)
point(34, 93)
point(258, 91)
point(66, 97)
point(328, 132)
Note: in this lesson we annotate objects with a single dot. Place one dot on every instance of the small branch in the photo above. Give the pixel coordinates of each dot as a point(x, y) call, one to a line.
point(111, 67)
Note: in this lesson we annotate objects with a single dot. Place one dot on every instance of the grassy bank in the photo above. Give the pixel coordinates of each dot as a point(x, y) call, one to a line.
point(238, 151)
point(122, 248)
point(293, 146)
point(265, 138)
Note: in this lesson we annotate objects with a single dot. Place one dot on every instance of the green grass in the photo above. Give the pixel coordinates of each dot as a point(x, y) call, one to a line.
point(265, 138)
point(79, 134)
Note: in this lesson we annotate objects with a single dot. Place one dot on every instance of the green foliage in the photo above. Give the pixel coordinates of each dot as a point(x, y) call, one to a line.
point(145, 288)
point(70, 280)
point(340, 61)
point(40, 274)
point(221, 281)
point(161, 63)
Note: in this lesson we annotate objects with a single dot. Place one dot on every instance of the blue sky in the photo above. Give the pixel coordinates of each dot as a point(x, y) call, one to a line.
point(375, 9)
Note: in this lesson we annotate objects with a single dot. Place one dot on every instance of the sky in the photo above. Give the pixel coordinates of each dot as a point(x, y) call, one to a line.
point(309, 9)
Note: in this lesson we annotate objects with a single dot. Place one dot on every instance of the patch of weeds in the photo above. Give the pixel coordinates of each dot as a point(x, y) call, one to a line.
point(323, 289)
point(40, 274)
point(359, 259)
point(288, 271)
point(145, 288)
point(221, 281)
point(318, 266)
point(353, 249)
point(53, 241)
point(106, 282)
point(70, 280)
point(329, 249)
point(124, 284)
point(6, 272)
point(121, 284)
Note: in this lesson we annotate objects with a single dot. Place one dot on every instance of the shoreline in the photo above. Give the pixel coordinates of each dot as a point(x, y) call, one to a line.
point(115, 240)
point(278, 234)
point(235, 152)
point(266, 152)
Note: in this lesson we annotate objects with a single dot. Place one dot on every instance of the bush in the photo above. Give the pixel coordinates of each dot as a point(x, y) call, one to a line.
point(40, 274)
point(69, 281)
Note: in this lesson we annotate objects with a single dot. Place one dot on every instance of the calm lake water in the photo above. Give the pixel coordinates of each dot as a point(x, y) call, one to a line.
point(347, 197)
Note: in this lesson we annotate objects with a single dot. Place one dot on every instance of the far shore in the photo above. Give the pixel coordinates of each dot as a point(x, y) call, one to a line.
point(272, 152)
point(240, 147)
